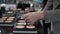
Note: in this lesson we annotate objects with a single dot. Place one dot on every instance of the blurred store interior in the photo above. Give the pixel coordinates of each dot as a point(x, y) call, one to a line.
point(11, 21)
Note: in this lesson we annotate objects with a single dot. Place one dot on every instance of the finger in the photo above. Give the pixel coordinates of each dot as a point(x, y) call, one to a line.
point(27, 20)
point(30, 21)
point(24, 16)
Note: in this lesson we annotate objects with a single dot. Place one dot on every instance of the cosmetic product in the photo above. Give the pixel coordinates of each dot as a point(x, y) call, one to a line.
point(8, 21)
point(30, 27)
point(20, 27)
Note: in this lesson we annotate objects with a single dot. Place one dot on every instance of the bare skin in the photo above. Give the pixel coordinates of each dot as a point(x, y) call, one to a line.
point(33, 16)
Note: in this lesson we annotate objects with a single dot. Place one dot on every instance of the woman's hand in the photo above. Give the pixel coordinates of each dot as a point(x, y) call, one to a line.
point(33, 16)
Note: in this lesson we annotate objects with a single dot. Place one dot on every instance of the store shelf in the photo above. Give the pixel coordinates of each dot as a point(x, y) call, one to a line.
point(24, 31)
point(6, 25)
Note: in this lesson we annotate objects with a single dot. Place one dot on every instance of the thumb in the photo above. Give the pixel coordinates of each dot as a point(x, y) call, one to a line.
point(24, 16)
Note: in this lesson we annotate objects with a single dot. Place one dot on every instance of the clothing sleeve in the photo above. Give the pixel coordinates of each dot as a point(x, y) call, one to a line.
point(50, 14)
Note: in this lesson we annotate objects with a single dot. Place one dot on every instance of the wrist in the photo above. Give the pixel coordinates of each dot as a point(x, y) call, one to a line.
point(41, 15)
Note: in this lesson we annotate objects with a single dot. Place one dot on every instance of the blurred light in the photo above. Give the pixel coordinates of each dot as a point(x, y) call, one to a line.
point(31, 5)
point(39, 1)
point(3, 5)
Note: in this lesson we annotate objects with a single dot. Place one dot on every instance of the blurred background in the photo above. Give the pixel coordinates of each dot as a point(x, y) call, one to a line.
point(11, 21)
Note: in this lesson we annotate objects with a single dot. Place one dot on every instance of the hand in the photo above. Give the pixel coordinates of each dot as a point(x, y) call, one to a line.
point(34, 16)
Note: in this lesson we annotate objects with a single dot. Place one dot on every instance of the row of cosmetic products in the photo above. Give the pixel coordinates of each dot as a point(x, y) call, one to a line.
point(7, 19)
point(21, 24)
